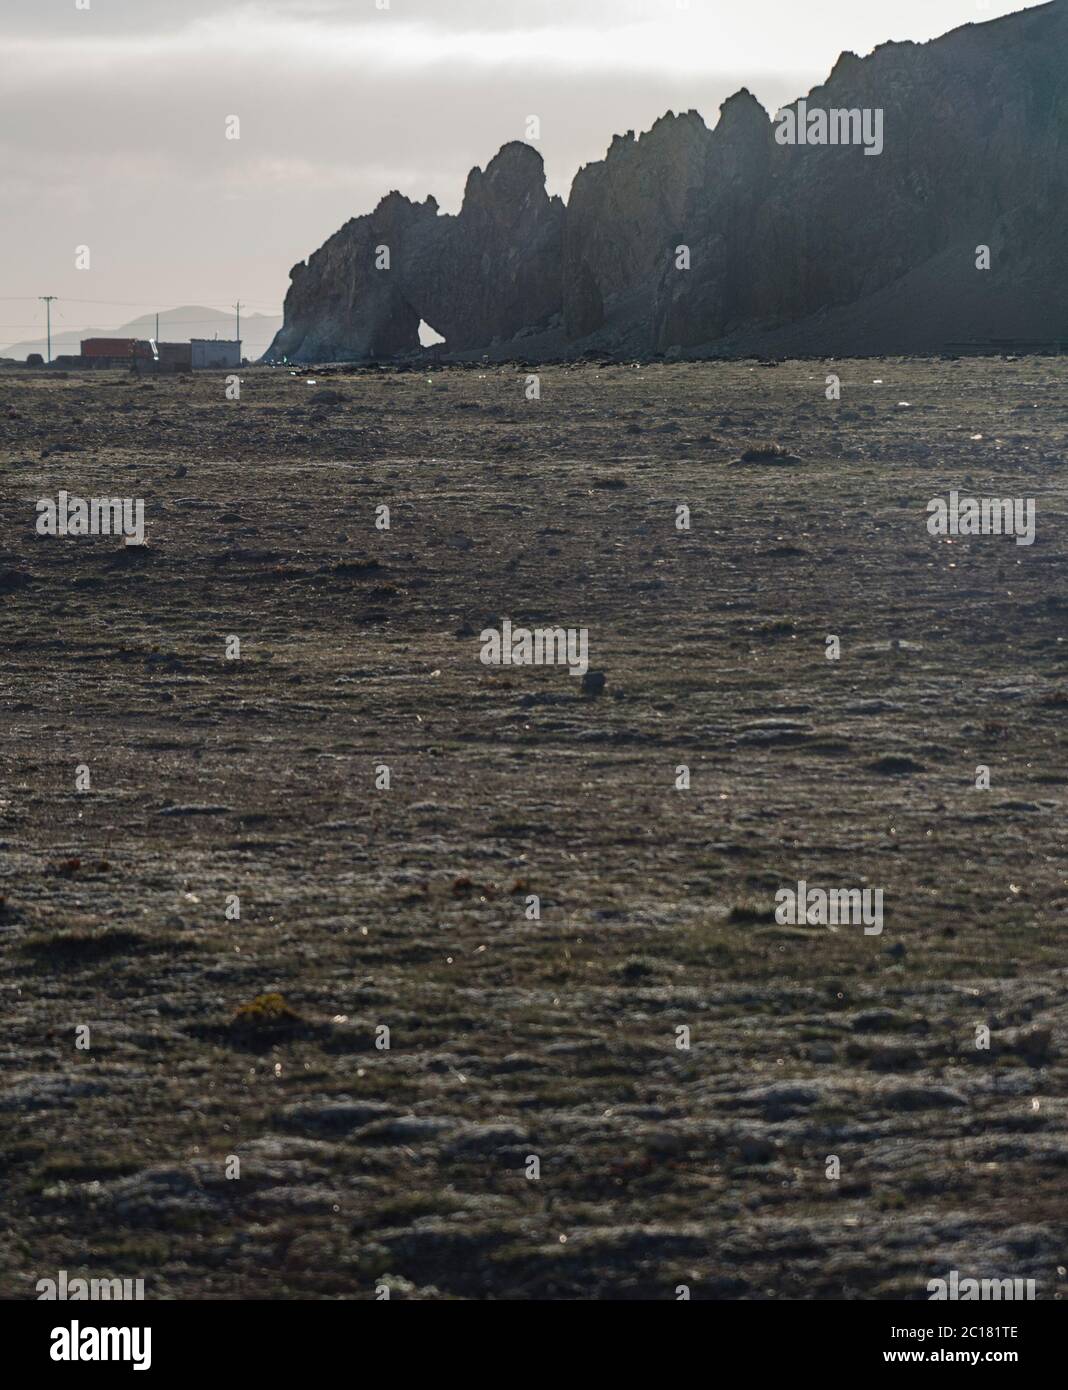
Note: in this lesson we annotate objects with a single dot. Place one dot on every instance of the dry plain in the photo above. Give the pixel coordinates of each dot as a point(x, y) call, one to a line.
point(405, 908)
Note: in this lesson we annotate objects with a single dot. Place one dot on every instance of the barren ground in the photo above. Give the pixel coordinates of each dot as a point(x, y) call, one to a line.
point(405, 908)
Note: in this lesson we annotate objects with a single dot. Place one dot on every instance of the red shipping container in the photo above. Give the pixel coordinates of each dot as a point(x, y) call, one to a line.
point(107, 347)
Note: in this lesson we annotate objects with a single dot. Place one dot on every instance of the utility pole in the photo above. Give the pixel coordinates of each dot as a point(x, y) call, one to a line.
point(237, 306)
point(157, 328)
point(48, 298)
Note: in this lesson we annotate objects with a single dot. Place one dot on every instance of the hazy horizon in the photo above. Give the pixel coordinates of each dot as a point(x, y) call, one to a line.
point(114, 120)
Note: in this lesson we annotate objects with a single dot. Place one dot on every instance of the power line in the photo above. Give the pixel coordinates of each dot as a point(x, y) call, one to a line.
point(48, 300)
point(185, 323)
point(141, 303)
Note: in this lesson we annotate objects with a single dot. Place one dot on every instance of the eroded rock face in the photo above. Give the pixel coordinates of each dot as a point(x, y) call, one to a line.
point(795, 248)
point(338, 304)
point(828, 249)
point(719, 289)
point(627, 212)
point(479, 277)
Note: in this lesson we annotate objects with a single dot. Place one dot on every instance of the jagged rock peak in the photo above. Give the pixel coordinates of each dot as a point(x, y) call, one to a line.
point(395, 199)
point(742, 107)
point(669, 122)
point(514, 172)
point(848, 62)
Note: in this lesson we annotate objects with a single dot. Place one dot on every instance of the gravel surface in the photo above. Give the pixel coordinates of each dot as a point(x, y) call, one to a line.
point(409, 908)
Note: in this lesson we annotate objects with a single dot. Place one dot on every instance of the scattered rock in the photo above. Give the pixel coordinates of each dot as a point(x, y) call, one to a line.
point(336, 1117)
point(920, 1098)
point(593, 684)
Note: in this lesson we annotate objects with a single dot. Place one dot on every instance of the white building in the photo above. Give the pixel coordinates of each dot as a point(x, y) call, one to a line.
point(215, 352)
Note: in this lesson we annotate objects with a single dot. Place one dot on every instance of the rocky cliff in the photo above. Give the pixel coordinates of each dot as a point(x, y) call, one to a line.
point(480, 277)
point(690, 240)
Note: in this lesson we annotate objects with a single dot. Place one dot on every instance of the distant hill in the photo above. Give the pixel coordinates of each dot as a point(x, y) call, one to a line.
point(175, 326)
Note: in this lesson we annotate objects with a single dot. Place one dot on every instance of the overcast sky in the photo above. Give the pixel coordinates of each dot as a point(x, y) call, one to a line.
point(112, 119)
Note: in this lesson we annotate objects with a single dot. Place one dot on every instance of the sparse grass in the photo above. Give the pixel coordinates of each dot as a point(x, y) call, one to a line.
point(267, 1013)
point(407, 909)
point(768, 453)
point(750, 913)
